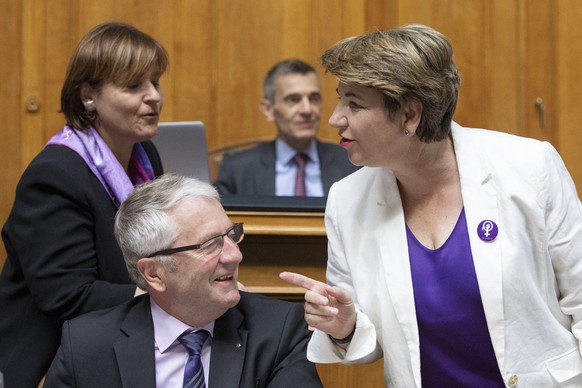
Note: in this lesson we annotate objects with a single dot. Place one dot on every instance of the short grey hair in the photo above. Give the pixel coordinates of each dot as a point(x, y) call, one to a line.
point(143, 224)
point(288, 66)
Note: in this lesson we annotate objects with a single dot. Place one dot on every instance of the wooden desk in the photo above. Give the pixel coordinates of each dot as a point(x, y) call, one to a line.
point(289, 241)
point(281, 241)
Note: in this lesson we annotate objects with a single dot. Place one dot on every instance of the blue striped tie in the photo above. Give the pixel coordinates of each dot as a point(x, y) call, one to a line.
point(194, 372)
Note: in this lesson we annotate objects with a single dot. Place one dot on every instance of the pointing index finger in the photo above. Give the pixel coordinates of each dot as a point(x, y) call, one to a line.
point(300, 280)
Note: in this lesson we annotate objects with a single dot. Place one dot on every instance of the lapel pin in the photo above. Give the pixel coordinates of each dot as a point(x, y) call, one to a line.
point(487, 230)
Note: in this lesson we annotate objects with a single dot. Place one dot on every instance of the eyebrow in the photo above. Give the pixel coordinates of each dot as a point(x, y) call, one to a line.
point(349, 94)
point(291, 95)
point(314, 93)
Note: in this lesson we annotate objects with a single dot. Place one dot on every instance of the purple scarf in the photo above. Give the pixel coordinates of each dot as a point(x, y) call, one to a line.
point(99, 158)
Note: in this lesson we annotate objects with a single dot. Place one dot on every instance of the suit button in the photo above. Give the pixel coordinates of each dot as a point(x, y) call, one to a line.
point(512, 382)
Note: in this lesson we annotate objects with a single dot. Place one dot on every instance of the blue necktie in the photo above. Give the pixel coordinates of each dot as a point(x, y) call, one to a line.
point(193, 372)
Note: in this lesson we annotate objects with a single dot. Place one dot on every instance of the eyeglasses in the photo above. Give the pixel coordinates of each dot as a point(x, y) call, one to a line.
point(211, 247)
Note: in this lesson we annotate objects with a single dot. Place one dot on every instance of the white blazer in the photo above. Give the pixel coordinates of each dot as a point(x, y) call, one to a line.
point(530, 276)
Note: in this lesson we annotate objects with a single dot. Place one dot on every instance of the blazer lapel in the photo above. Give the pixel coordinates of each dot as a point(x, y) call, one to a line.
point(135, 354)
point(265, 175)
point(480, 202)
point(229, 346)
point(395, 265)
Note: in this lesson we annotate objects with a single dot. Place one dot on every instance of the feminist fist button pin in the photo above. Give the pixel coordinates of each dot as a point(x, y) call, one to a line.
point(487, 230)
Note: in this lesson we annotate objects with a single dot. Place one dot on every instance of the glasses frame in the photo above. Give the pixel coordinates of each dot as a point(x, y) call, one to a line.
point(171, 251)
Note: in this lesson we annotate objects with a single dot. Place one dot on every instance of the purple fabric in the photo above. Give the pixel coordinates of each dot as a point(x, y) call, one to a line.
point(104, 165)
point(140, 167)
point(455, 347)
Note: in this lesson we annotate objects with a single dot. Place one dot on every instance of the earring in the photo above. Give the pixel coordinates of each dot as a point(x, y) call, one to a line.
point(406, 132)
point(90, 105)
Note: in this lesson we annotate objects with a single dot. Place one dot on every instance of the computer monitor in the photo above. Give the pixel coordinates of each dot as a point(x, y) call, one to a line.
point(183, 149)
point(268, 203)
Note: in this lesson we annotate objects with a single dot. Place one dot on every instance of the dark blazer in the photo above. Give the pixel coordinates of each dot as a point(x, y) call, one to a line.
point(252, 172)
point(259, 343)
point(62, 260)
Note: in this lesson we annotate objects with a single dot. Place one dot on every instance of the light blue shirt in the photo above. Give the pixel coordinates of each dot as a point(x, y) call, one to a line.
point(286, 170)
point(171, 356)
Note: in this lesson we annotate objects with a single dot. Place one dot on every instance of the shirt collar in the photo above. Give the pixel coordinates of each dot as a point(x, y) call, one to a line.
point(285, 152)
point(167, 328)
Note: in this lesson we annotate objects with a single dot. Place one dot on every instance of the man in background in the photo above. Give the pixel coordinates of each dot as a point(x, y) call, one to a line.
point(295, 163)
point(194, 326)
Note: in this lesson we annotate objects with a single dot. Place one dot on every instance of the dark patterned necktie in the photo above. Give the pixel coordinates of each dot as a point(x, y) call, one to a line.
point(300, 159)
point(194, 372)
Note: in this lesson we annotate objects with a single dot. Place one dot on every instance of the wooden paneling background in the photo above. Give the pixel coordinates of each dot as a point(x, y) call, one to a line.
point(509, 53)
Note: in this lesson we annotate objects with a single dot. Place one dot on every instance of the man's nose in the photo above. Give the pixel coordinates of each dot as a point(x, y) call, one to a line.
point(230, 252)
point(305, 105)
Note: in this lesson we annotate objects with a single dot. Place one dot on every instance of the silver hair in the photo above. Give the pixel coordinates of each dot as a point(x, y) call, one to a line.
point(142, 223)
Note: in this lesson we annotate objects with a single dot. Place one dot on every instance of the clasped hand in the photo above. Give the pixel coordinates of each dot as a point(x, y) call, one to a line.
point(327, 308)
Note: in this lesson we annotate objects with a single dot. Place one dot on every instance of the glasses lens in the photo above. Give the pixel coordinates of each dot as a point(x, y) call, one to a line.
point(213, 246)
point(236, 233)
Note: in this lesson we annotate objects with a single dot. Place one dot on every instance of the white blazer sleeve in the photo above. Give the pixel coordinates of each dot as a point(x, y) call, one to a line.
point(363, 347)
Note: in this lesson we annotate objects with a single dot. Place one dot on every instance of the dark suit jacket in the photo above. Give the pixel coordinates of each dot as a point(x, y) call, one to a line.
point(252, 172)
point(259, 343)
point(62, 260)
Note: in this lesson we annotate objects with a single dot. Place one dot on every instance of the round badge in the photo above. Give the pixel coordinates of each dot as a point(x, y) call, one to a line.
point(487, 230)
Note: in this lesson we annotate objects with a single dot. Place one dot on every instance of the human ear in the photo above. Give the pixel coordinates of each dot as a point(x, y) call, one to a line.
point(412, 114)
point(150, 270)
point(267, 109)
point(87, 93)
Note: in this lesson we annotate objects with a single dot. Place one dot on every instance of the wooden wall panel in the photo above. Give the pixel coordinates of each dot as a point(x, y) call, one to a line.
point(33, 84)
point(248, 44)
point(188, 85)
point(539, 62)
point(238, 72)
point(567, 109)
point(60, 33)
point(11, 47)
point(485, 46)
point(498, 82)
point(334, 21)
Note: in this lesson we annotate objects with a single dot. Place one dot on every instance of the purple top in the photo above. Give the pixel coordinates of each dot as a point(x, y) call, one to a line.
point(455, 347)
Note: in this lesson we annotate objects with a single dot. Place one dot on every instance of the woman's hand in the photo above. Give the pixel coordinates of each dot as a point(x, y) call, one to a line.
point(329, 309)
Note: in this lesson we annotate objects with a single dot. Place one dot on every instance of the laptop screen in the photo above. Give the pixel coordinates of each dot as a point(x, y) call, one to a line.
point(182, 148)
